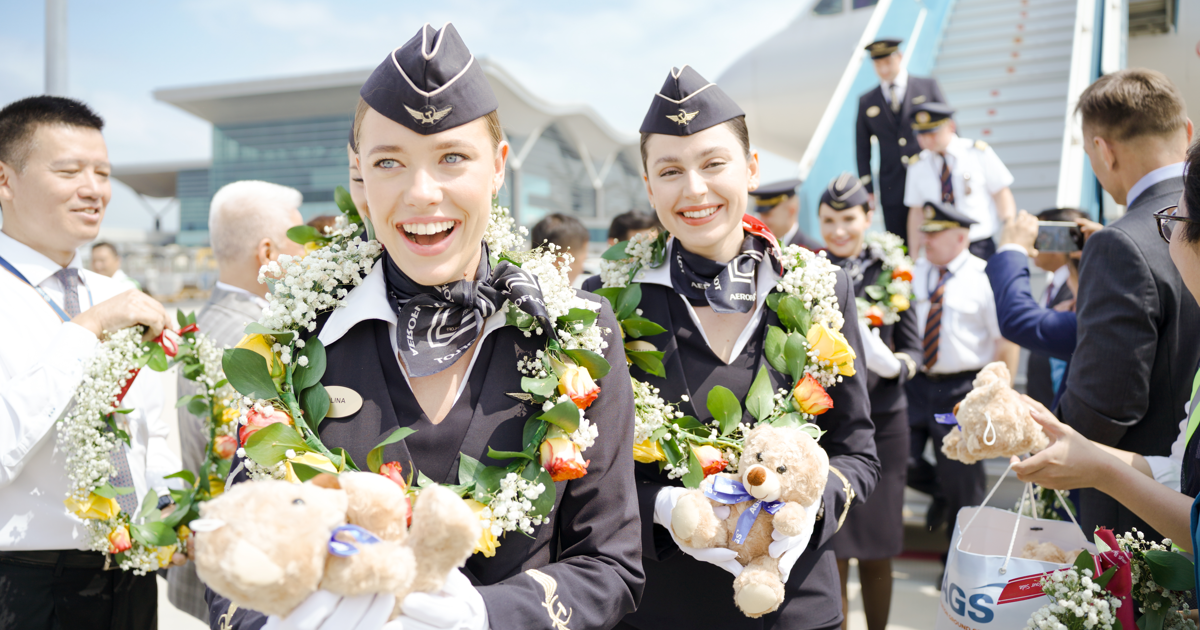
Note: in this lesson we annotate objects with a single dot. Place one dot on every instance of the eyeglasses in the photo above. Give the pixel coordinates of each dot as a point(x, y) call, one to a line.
point(1165, 218)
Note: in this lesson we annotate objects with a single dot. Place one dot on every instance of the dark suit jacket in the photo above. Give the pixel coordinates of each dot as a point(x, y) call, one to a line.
point(1137, 353)
point(682, 592)
point(895, 135)
point(805, 241)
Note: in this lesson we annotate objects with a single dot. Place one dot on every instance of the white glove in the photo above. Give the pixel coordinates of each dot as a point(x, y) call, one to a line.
point(458, 606)
point(325, 611)
point(665, 502)
point(880, 358)
point(789, 548)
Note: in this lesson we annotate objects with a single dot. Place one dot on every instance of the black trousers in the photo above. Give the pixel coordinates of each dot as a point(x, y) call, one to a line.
point(895, 220)
point(958, 485)
point(984, 248)
point(35, 595)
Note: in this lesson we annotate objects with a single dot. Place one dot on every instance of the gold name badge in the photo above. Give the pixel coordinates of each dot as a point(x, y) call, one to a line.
point(343, 401)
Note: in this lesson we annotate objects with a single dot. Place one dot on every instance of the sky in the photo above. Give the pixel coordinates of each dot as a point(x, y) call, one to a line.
point(612, 56)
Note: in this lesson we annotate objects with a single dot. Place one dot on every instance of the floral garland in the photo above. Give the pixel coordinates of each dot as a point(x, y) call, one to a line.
point(1077, 600)
point(891, 293)
point(809, 347)
point(147, 540)
point(1161, 581)
point(278, 376)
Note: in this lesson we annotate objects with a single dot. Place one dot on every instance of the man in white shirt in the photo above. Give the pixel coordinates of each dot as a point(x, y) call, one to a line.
point(247, 225)
point(54, 186)
point(956, 172)
point(107, 262)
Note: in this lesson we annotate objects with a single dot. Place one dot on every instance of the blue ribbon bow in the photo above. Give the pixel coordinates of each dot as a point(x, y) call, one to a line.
point(727, 491)
point(358, 534)
point(947, 418)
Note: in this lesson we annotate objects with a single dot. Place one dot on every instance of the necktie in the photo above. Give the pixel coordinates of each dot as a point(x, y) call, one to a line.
point(121, 476)
point(933, 323)
point(895, 101)
point(947, 185)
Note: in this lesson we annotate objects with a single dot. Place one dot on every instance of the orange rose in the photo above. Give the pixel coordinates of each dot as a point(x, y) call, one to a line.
point(562, 459)
point(810, 397)
point(256, 420)
point(903, 273)
point(393, 471)
point(710, 459)
point(224, 446)
point(874, 315)
point(576, 383)
point(118, 540)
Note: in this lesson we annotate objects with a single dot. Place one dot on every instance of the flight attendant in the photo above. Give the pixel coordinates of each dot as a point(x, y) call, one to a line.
point(431, 153)
point(874, 532)
point(710, 297)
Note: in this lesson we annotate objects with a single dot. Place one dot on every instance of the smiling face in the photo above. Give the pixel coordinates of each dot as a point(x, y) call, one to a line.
point(843, 230)
point(56, 202)
point(430, 197)
point(698, 185)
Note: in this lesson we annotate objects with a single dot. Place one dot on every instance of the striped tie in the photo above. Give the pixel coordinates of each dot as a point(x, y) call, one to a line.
point(895, 101)
point(947, 185)
point(121, 476)
point(933, 323)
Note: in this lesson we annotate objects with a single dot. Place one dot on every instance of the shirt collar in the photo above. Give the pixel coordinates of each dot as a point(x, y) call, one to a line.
point(765, 281)
point(254, 297)
point(955, 265)
point(787, 238)
point(1060, 278)
point(1159, 174)
point(34, 265)
point(900, 81)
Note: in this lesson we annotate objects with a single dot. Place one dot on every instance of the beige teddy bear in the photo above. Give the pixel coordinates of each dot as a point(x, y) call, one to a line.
point(1048, 552)
point(994, 421)
point(268, 545)
point(784, 465)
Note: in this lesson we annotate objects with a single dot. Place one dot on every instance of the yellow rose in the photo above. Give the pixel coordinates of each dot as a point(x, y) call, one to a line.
point(832, 346)
point(95, 506)
point(488, 543)
point(577, 384)
point(316, 460)
point(312, 246)
point(216, 485)
point(261, 345)
point(164, 555)
point(900, 303)
point(648, 451)
point(229, 415)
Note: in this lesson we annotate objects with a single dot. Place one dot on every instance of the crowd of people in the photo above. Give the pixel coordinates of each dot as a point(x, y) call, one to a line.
point(915, 311)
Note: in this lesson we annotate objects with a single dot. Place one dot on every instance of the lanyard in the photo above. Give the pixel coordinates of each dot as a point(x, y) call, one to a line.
point(57, 309)
point(1193, 416)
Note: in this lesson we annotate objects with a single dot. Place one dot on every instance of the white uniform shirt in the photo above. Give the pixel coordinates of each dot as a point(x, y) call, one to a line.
point(41, 365)
point(901, 83)
point(974, 169)
point(969, 329)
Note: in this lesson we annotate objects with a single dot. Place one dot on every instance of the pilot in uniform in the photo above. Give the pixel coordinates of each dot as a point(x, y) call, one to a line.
point(778, 205)
point(960, 173)
point(886, 113)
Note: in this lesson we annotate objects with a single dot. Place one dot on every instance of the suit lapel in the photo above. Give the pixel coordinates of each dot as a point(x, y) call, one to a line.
point(884, 106)
point(906, 102)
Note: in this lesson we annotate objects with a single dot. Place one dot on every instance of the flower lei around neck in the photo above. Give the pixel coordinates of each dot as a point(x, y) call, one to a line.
point(146, 540)
point(282, 401)
point(890, 294)
point(809, 348)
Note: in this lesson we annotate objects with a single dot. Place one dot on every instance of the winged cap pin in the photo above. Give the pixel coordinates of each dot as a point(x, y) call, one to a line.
point(929, 213)
point(922, 117)
point(428, 115)
point(683, 117)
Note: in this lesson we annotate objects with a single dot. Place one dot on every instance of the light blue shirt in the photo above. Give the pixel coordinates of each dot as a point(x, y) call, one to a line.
point(1153, 177)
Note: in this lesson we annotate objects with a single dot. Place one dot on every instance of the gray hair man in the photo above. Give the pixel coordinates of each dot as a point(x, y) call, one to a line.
point(247, 225)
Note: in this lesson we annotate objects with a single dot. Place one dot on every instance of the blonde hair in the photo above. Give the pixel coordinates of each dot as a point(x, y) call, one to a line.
point(493, 124)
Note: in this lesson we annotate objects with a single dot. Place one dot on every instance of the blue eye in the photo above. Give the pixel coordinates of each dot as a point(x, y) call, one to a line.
point(454, 158)
point(387, 163)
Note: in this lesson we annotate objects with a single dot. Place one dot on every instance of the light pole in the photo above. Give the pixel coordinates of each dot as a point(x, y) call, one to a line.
point(56, 47)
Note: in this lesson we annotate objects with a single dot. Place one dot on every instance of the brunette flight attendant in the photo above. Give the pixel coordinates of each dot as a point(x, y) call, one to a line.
point(432, 158)
point(710, 297)
point(874, 532)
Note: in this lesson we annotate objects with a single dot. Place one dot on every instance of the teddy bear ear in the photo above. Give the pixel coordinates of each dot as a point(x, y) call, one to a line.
point(327, 481)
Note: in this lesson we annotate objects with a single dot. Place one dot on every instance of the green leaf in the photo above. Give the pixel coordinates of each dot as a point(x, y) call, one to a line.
point(688, 423)
point(793, 314)
point(468, 469)
point(789, 420)
point(672, 450)
point(545, 501)
point(346, 463)
point(187, 476)
point(280, 336)
point(1106, 576)
point(795, 353)
point(183, 507)
point(494, 454)
point(198, 407)
point(1171, 570)
point(628, 300)
point(638, 327)
point(533, 432)
point(597, 366)
point(649, 360)
point(1085, 561)
point(306, 234)
point(543, 387)
point(304, 472)
point(375, 457)
point(760, 402)
point(315, 402)
point(773, 348)
point(616, 252)
point(695, 473)
point(875, 291)
point(108, 491)
point(810, 428)
point(156, 534)
point(773, 300)
point(425, 482)
point(158, 360)
point(183, 401)
point(344, 201)
point(611, 294)
point(247, 373)
point(307, 376)
point(584, 316)
point(487, 481)
point(1152, 619)
point(564, 415)
point(724, 407)
point(269, 445)
point(123, 411)
point(181, 318)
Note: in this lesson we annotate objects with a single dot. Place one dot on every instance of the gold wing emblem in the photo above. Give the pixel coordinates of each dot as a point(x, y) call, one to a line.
point(559, 615)
point(917, 100)
point(683, 117)
point(428, 115)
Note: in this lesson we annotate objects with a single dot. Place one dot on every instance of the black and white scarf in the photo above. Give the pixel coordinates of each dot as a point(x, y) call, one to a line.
point(855, 267)
point(437, 324)
point(727, 288)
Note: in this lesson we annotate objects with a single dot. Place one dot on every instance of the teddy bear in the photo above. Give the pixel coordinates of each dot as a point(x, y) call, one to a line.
point(268, 545)
point(782, 475)
point(993, 421)
point(1048, 552)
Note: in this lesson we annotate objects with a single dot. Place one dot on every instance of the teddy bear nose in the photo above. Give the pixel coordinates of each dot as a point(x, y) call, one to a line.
point(757, 476)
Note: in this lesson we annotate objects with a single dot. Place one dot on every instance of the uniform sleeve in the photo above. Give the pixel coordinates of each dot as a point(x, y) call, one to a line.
point(998, 176)
point(34, 399)
point(935, 90)
point(850, 435)
point(1021, 319)
point(1118, 312)
point(598, 577)
point(862, 139)
point(225, 615)
point(908, 340)
point(912, 184)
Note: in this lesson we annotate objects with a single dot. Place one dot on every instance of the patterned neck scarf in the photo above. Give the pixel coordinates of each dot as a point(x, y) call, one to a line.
point(437, 324)
point(854, 267)
point(727, 288)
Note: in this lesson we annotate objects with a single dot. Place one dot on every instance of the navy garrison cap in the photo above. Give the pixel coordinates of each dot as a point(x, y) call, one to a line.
point(883, 48)
point(770, 195)
point(930, 116)
point(688, 103)
point(432, 83)
point(845, 191)
point(938, 218)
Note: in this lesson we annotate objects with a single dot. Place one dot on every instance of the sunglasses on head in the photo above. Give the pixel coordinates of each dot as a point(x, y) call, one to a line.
point(1166, 221)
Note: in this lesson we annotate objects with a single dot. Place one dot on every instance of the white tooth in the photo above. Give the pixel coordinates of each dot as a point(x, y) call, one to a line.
point(407, 228)
point(423, 228)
